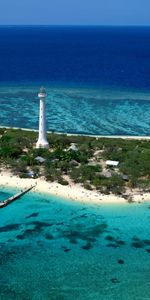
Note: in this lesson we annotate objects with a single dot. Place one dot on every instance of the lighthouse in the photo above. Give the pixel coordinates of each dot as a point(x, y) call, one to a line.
point(42, 140)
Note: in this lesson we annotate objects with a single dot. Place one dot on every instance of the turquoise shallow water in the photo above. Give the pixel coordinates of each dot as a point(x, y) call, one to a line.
point(103, 111)
point(51, 248)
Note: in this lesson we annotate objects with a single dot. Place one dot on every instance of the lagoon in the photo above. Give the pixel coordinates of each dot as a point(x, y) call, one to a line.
point(54, 248)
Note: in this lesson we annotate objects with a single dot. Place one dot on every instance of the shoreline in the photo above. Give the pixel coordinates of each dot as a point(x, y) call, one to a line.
point(73, 192)
point(132, 137)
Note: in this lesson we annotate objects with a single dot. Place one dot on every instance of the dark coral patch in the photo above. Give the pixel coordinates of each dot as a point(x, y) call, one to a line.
point(110, 238)
point(32, 215)
point(98, 229)
point(148, 250)
point(9, 227)
point(115, 280)
point(72, 236)
point(89, 235)
point(49, 236)
point(146, 242)
point(20, 237)
point(115, 240)
point(120, 261)
point(38, 228)
point(67, 250)
point(88, 246)
point(40, 224)
point(137, 244)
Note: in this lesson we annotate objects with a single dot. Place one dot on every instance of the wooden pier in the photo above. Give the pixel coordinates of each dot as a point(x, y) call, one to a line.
point(15, 197)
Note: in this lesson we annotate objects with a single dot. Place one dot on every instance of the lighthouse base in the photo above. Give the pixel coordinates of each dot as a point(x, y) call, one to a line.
point(42, 144)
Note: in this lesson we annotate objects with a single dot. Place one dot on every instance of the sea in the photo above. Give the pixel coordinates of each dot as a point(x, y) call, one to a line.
point(98, 82)
point(97, 78)
point(57, 249)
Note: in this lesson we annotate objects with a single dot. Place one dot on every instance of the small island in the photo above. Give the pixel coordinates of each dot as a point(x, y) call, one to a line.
point(77, 167)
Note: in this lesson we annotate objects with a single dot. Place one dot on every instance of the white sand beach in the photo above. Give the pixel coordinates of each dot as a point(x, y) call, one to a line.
point(73, 191)
point(126, 137)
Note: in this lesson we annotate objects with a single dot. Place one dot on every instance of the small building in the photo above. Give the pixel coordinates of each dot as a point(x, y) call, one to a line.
point(125, 177)
point(112, 163)
point(40, 159)
point(73, 147)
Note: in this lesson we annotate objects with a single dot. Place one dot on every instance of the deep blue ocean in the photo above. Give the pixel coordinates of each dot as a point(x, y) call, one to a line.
point(97, 78)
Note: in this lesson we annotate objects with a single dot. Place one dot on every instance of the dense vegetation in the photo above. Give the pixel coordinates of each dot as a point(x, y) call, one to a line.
point(85, 166)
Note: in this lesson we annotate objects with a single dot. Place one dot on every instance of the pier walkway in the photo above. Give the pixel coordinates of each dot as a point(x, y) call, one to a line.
point(15, 197)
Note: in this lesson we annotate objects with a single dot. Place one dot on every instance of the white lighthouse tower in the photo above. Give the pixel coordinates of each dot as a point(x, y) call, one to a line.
point(42, 140)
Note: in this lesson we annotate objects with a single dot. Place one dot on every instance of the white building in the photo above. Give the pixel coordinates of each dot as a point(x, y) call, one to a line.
point(73, 147)
point(112, 163)
point(42, 139)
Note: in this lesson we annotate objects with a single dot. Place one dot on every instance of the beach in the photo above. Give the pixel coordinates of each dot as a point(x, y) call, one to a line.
point(72, 191)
